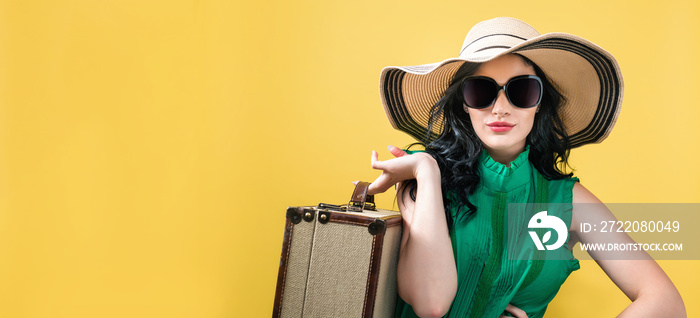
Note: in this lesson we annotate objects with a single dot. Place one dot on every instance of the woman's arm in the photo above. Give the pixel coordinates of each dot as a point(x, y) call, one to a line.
point(642, 280)
point(426, 273)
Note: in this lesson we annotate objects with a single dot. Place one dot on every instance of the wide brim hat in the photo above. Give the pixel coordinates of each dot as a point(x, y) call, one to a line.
point(585, 74)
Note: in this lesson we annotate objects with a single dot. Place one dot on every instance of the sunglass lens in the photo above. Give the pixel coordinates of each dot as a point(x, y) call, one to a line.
point(524, 92)
point(479, 92)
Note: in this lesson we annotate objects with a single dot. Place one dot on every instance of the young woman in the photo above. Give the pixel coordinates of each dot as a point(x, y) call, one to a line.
point(497, 125)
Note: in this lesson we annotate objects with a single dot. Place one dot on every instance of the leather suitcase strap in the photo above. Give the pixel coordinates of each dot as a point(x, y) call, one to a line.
point(359, 196)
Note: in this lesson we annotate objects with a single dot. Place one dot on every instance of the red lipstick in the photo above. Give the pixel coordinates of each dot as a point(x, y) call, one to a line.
point(500, 126)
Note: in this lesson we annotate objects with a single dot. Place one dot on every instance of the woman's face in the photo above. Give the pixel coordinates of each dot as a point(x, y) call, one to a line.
point(503, 127)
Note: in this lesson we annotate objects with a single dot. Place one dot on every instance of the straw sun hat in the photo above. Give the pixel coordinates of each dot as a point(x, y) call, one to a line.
point(587, 76)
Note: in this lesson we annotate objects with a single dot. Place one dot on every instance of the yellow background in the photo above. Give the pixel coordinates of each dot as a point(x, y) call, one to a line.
point(148, 149)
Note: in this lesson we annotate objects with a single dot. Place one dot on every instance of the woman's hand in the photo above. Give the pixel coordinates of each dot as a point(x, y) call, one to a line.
point(515, 312)
point(403, 167)
point(426, 273)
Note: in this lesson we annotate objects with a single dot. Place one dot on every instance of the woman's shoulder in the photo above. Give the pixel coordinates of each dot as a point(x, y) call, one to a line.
point(560, 190)
point(582, 195)
point(586, 207)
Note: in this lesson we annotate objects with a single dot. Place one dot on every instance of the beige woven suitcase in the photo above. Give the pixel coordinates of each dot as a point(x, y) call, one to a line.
point(339, 261)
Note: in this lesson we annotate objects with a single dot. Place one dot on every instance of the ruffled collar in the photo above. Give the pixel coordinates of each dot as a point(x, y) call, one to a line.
point(499, 177)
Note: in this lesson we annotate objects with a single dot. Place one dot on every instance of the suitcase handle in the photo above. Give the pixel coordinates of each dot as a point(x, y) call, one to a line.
point(360, 200)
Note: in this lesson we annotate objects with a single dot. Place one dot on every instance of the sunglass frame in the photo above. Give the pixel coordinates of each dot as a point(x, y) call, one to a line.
point(501, 87)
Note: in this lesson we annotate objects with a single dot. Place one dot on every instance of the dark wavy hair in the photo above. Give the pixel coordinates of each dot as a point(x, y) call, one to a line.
point(457, 148)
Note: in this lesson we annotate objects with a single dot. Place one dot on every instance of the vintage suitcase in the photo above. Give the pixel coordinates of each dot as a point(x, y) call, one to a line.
point(339, 261)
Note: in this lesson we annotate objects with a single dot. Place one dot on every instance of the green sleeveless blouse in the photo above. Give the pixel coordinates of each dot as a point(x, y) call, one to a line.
point(487, 279)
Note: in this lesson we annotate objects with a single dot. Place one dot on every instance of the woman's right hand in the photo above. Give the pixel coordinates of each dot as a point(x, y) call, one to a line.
point(426, 273)
point(403, 167)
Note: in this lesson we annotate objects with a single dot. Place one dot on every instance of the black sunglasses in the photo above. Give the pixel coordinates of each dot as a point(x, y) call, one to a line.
point(523, 91)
